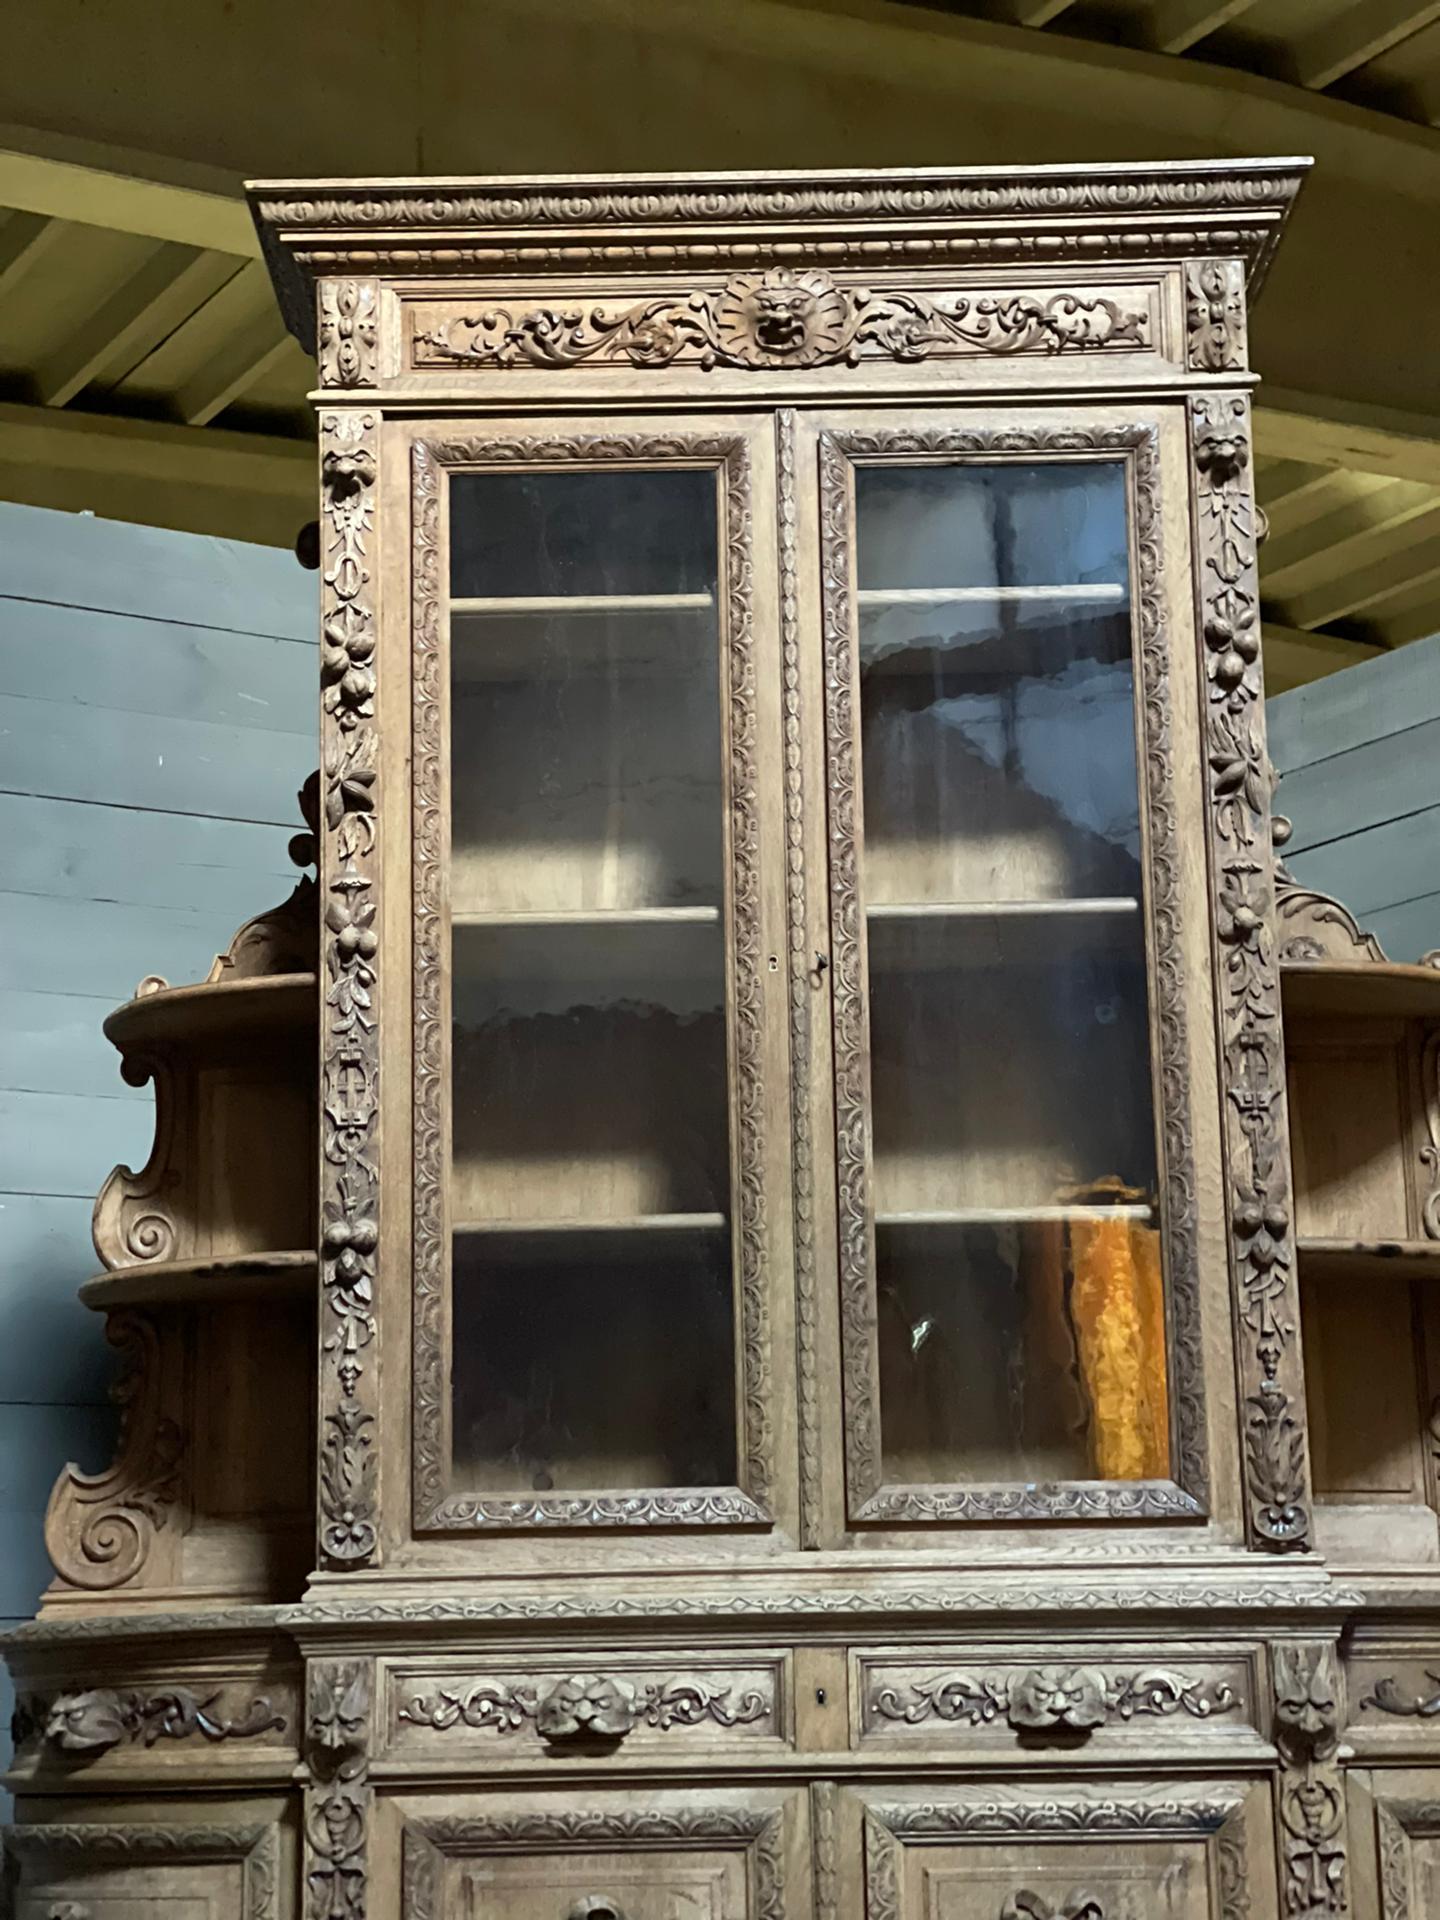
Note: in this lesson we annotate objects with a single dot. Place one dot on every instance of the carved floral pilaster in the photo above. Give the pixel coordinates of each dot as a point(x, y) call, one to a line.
point(1215, 316)
point(1310, 1810)
point(1277, 1477)
point(350, 941)
point(346, 335)
point(338, 1795)
point(101, 1528)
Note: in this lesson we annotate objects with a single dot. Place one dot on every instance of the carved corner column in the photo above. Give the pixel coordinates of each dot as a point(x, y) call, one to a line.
point(349, 1035)
point(1252, 1053)
point(338, 1696)
point(1310, 1808)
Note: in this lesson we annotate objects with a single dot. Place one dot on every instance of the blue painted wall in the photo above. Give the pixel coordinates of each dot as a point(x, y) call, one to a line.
point(157, 714)
point(1359, 756)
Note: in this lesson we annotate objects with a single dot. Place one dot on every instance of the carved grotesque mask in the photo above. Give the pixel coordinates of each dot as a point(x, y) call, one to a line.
point(85, 1722)
point(781, 317)
point(592, 1705)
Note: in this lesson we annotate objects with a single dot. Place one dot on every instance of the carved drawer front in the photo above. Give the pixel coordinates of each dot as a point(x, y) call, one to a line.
point(712, 1855)
point(227, 1723)
point(1093, 1702)
point(1181, 1850)
point(231, 1869)
point(1393, 1700)
point(555, 1706)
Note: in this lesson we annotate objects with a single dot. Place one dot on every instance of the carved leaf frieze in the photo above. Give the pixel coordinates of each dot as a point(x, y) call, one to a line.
point(783, 317)
point(350, 1064)
point(581, 1706)
point(102, 1717)
point(346, 336)
point(1040, 1697)
point(1262, 1258)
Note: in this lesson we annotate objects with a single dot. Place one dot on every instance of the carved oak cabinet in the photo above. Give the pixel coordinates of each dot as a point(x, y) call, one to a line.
point(778, 1167)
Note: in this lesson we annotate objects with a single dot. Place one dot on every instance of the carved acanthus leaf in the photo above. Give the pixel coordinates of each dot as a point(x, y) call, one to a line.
point(346, 336)
point(784, 317)
point(1215, 315)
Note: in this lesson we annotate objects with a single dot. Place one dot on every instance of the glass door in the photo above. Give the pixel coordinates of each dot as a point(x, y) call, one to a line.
point(1017, 1320)
point(592, 1329)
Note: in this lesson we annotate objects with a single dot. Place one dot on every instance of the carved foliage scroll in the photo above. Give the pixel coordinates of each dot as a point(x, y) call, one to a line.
point(1311, 1807)
point(869, 1500)
point(100, 1528)
point(1078, 1698)
point(1253, 1061)
point(338, 1796)
point(105, 1717)
point(746, 1505)
point(588, 1707)
point(350, 1064)
point(785, 317)
point(1215, 315)
point(346, 335)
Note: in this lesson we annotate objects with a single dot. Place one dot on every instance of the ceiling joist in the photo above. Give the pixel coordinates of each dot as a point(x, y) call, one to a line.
point(106, 344)
point(1363, 32)
point(1178, 25)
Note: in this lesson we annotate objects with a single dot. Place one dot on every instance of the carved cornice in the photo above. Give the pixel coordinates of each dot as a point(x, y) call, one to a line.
point(782, 317)
point(746, 1505)
point(100, 1528)
point(1311, 1804)
point(1077, 1698)
point(1277, 1479)
point(350, 1049)
point(338, 1795)
point(1047, 213)
point(90, 1847)
point(1186, 1495)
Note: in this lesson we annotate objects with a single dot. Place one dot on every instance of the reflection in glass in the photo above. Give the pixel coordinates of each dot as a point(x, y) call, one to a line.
point(592, 1336)
point(1019, 1293)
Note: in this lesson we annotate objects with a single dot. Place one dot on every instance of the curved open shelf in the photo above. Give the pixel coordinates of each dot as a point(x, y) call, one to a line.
point(1359, 990)
point(216, 1010)
point(1370, 1259)
point(202, 1283)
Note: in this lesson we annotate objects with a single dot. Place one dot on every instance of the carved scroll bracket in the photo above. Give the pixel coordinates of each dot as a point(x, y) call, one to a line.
point(1277, 1480)
point(101, 1528)
point(137, 1216)
point(350, 1050)
point(338, 1796)
point(1311, 1806)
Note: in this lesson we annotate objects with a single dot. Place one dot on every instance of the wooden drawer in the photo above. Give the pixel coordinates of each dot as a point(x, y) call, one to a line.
point(1192, 1850)
point(1100, 1700)
point(1392, 1695)
point(557, 1706)
point(717, 1854)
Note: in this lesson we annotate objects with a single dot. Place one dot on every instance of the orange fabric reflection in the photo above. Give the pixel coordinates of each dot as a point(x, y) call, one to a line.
point(1117, 1311)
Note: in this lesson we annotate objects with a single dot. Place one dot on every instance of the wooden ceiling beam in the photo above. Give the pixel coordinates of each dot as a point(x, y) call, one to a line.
point(243, 360)
point(26, 241)
point(1178, 25)
point(1363, 32)
point(1035, 13)
point(1293, 658)
point(1327, 546)
point(1325, 431)
point(167, 288)
point(1363, 585)
point(143, 194)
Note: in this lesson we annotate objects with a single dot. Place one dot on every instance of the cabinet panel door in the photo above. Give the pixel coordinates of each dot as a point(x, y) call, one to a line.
point(599, 1078)
point(109, 1869)
point(1012, 992)
point(1398, 1876)
point(713, 1855)
point(1170, 1851)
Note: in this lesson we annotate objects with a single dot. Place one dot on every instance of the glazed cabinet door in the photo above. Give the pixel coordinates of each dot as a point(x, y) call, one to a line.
point(599, 1071)
point(1019, 962)
point(1173, 1850)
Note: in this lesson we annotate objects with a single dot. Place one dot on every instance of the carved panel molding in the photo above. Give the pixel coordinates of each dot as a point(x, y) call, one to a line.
point(1277, 1480)
point(780, 317)
point(101, 1528)
point(88, 1848)
point(1401, 1821)
point(1077, 1698)
point(870, 1501)
point(338, 1795)
point(350, 1048)
point(747, 1504)
point(1311, 1805)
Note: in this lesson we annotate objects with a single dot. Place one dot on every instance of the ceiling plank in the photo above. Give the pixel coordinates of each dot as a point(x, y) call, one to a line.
point(1363, 32)
point(246, 358)
point(1331, 489)
point(1179, 24)
point(1294, 658)
point(1380, 577)
point(1328, 545)
point(1036, 13)
point(1326, 431)
point(170, 285)
point(26, 241)
point(129, 193)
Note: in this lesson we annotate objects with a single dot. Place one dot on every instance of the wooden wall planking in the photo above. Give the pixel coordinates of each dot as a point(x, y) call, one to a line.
point(1359, 757)
point(157, 715)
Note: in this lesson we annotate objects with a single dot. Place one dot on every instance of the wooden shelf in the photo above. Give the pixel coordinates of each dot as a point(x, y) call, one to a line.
point(636, 634)
point(1370, 1259)
point(1010, 1216)
point(218, 1010)
point(1106, 591)
point(202, 1283)
point(996, 909)
point(602, 917)
point(649, 1236)
point(1359, 990)
point(553, 603)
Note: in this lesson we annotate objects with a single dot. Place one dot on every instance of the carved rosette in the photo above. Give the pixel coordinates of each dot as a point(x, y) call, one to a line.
point(101, 1528)
point(1277, 1479)
point(782, 317)
point(350, 1053)
point(338, 1795)
point(1311, 1807)
point(1215, 316)
point(346, 335)
point(1078, 1698)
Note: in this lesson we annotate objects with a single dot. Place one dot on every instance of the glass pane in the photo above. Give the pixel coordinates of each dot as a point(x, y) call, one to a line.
point(592, 1330)
point(1020, 1302)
